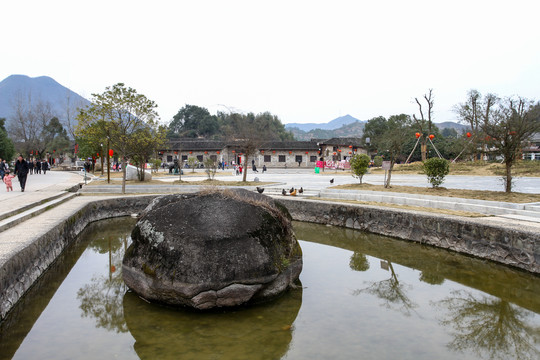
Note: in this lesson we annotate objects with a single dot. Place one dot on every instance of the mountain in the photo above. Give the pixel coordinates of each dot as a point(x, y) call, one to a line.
point(452, 125)
point(24, 89)
point(355, 129)
point(331, 125)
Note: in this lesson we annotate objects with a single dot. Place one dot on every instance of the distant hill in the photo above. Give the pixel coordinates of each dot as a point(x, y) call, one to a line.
point(39, 89)
point(355, 129)
point(451, 125)
point(331, 125)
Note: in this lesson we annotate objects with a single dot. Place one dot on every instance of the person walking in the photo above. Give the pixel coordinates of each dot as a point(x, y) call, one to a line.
point(21, 171)
point(37, 166)
point(2, 169)
point(30, 167)
point(44, 166)
point(264, 169)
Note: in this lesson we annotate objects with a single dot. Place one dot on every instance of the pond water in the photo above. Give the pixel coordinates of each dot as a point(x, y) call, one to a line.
point(362, 296)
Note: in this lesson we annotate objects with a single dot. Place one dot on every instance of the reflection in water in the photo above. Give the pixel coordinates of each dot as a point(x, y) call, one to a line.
point(391, 291)
point(497, 320)
point(256, 332)
point(102, 297)
point(359, 262)
point(490, 327)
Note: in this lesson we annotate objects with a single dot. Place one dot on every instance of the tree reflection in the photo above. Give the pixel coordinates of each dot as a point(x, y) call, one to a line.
point(490, 327)
point(359, 262)
point(102, 297)
point(391, 291)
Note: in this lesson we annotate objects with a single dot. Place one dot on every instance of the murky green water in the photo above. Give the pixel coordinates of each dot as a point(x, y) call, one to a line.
point(362, 297)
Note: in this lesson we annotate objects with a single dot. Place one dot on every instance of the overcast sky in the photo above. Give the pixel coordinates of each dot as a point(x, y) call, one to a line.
point(305, 61)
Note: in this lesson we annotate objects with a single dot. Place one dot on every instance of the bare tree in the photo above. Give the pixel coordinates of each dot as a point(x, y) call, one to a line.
point(510, 126)
point(423, 123)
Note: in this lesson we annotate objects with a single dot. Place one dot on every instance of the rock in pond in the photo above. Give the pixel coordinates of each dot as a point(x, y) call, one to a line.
point(215, 248)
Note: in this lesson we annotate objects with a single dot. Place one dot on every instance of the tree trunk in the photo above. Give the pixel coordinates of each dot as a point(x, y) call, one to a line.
point(423, 149)
point(123, 175)
point(102, 167)
point(508, 180)
point(387, 183)
point(244, 174)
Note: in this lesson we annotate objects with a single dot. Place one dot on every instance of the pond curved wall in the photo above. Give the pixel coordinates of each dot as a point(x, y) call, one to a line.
point(518, 247)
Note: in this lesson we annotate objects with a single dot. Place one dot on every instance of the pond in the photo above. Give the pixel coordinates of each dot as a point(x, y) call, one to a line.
point(361, 296)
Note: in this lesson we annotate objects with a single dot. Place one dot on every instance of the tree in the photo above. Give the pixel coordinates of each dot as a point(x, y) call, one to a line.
point(120, 113)
point(193, 121)
point(389, 137)
point(514, 120)
point(7, 150)
point(475, 112)
point(146, 141)
point(249, 132)
point(424, 125)
point(359, 165)
point(436, 170)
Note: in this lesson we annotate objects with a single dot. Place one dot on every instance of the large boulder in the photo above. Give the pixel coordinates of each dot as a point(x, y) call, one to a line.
point(212, 249)
point(131, 174)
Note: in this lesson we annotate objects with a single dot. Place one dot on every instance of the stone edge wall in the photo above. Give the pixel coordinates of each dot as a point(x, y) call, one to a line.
point(20, 271)
point(517, 247)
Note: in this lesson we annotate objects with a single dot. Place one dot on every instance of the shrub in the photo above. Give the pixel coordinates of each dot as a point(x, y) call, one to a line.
point(377, 161)
point(359, 165)
point(436, 169)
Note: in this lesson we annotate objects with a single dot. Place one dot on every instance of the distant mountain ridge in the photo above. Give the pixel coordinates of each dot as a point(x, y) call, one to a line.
point(39, 89)
point(331, 125)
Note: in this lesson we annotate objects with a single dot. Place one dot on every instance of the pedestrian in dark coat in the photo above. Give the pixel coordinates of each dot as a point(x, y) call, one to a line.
point(2, 169)
point(44, 166)
point(30, 167)
point(38, 167)
point(21, 170)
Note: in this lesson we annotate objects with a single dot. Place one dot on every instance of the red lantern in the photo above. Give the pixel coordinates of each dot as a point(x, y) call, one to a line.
point(111, 152)
point(417, 135)
point(273, 152)
point(468, 134)
point(307, 152)
point(206, 152)
point(350, 146)
point(233, 151)
point(113, 268)
point(334, 153)
point(512, 133)
point(97, 154)
point(350, 152)
point(262, 151)
point(339, 150)
point(191, 152)
point(176, 153)
point(290, 152)
point(431, 136)
point(217, 152)
point(31, 152)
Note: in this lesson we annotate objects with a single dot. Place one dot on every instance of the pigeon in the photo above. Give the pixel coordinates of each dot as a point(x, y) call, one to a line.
point(283, 192)
point(260, 190)
point(332, 181)
point(301, 190)
point(291, 190)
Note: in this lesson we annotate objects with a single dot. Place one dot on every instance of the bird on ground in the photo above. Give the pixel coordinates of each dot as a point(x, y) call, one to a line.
point(293, 193)
point(260, 190)
point(332, 181)
point(301, 190)
point(283, 192)
point(291, 190)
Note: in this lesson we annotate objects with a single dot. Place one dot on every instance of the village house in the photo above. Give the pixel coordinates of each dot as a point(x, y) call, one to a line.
point(272, 153)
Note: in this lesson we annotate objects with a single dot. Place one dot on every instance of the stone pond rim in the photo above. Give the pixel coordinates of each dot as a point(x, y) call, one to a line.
point(215, 248)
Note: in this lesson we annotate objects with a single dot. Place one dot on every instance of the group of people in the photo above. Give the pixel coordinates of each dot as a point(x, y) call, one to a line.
point(36, 166)
point(21, 171)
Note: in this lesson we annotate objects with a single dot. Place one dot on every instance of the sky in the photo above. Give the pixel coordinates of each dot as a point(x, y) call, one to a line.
point(304, 61)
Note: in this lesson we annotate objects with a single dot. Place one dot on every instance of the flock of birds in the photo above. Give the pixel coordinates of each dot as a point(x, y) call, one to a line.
point(292, 191)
